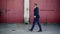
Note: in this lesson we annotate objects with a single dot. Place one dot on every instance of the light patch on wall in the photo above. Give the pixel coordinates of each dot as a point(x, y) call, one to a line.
point(26, 11)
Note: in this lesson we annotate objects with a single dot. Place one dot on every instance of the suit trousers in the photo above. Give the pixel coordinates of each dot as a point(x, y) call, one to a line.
point(36, 20)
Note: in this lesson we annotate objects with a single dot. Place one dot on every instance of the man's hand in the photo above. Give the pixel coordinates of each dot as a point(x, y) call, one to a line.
point(34, 16)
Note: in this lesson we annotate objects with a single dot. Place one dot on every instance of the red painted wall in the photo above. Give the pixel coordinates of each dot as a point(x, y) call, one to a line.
point(0, 10)
point(12, 11)
point(59, 10)
point(48, 10)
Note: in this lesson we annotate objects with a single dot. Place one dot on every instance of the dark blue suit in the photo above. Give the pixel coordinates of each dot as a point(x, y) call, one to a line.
point(36, 20)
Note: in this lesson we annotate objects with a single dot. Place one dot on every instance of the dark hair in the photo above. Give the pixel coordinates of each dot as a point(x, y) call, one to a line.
point(35, 4)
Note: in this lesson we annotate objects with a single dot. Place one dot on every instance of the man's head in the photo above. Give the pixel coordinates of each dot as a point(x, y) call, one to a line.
point(35, 5)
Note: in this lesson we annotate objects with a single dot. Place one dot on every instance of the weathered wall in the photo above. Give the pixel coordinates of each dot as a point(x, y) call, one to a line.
point(48, 10)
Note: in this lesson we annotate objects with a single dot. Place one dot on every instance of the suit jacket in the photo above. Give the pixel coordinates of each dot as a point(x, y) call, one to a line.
point(36, 12)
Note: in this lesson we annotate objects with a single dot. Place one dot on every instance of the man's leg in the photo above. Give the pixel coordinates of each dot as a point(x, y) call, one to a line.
point(33, 25)
point(40, 29)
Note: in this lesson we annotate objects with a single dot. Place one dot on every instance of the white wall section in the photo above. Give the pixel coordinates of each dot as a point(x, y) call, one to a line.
point(26, 11)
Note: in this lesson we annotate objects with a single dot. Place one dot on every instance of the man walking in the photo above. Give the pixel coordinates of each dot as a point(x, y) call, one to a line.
point(36, 18)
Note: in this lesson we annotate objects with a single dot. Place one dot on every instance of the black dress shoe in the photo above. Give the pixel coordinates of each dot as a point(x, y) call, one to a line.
point(30, 30)
point(40, 31)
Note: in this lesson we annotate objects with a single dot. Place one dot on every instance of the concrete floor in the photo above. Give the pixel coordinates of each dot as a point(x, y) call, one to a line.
point(24, 29)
